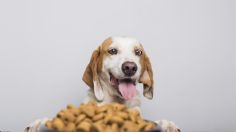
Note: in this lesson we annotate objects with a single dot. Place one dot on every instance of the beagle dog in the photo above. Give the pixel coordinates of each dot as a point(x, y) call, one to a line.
point(115, 68)
point(113, 72)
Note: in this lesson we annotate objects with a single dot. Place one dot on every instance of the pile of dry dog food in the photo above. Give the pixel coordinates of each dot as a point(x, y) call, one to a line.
point(92, 118)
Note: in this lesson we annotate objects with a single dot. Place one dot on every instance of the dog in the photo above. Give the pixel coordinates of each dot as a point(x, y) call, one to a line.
point(114, 70)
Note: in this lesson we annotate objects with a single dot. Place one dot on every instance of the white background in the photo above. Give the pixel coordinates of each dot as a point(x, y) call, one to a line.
point(45, 46)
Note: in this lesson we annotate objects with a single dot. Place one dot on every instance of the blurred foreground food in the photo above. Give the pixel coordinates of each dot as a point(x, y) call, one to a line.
point(89, 117)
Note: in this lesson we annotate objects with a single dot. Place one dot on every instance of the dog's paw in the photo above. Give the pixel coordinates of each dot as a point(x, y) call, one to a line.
point(168, 126)
point(34, 126)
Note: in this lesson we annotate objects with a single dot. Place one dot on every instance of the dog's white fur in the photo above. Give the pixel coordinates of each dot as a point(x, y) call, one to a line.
point(103, 92)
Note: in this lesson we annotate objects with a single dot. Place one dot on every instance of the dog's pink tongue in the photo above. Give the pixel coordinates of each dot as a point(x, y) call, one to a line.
point(127, 90)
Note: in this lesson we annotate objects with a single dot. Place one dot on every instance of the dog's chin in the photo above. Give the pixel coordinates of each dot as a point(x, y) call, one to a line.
point(125, 86)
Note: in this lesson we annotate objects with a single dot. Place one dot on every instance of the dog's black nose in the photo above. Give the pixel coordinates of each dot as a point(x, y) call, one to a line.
point(129, 68)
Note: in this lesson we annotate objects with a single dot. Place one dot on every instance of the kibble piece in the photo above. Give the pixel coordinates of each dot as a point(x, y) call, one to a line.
point(70, 127)
point(58, 124)
point(107, 118)
point(93, 103)
point(60, 114)
point(98, 127)
point(141, 125)
point(88, 120)
point(80, 118)
point(115, 119)
point(74, 111)
point(129, 127)
point(149, 126)
point(132, 117)
point(134, 112)
point(100, 121)
point(110, 111)
point(114, 127)
point(102, 109)
point(98, 117)
point(71, 106)
point(49, 124)
point(89, 111)
point(123, 115)
point(108, 129)
point(118, 107)
point(68, 116)
point(84, 126)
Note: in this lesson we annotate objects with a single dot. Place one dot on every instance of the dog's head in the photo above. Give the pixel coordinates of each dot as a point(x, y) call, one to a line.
point(121, 62)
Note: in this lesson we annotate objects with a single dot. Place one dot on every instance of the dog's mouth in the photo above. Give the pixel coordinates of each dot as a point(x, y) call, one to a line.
point(126, 87)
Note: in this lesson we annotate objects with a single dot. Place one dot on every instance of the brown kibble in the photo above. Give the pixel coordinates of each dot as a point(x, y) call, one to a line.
point(99, 127)
point(68, 116)
point(139, 120)
point(89, 111)
point(102, 109)
point(114, 127)
point(132, 117)
point(74, 111)
point(129, 127)
point(123, 115)
point(70, 127)
point(141, 125)
point(116, 119)
point(49, 124)
point(93, 103)
point(134, 112)
point(84, 126)
point(100, 121)
point(118, 107)
point(98, 117)
point(89, 117)
point(108, 129)
point(88, 120)
point(71, 106)
point(107, 118)
point(60, 114)
point(58, 124)
point(80, 118)
point(149, 127)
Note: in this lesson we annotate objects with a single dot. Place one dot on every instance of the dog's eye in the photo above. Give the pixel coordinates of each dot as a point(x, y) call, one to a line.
point(138, 52)
point(113, 51)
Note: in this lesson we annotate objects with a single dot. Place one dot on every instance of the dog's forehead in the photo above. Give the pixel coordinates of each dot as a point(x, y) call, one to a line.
point(122, 43)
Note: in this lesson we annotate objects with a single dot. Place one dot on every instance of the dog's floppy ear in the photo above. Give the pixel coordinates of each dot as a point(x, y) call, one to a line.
point(90, 76)
point(146, 77)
